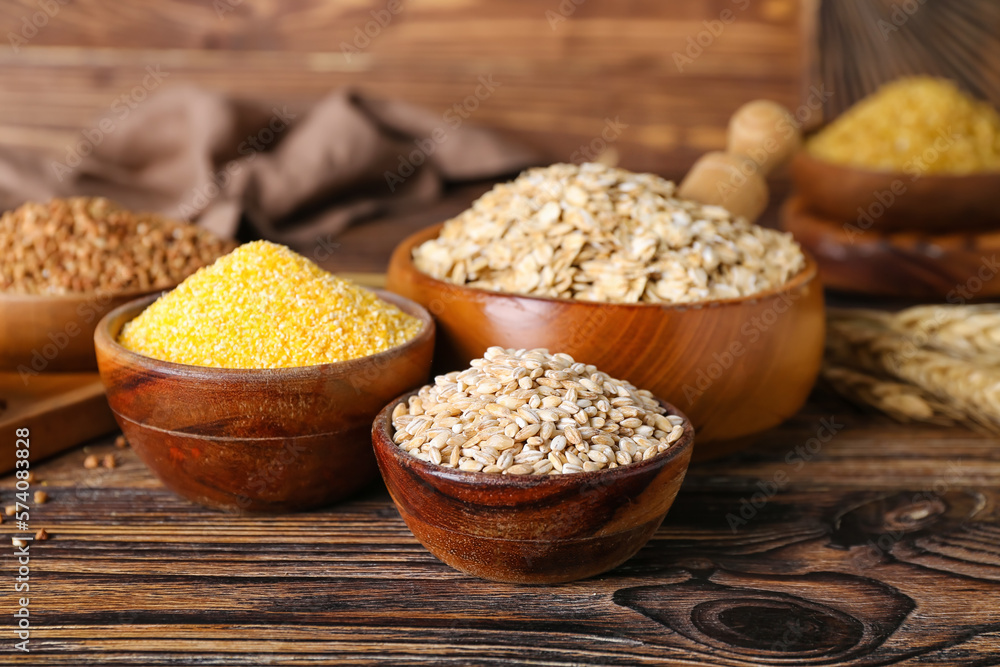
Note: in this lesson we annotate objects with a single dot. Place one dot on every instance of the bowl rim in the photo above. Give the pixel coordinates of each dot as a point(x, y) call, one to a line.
point(804, 155)
point(805, 276)
point(381, 439)
point(105, 296)
point(104, 340)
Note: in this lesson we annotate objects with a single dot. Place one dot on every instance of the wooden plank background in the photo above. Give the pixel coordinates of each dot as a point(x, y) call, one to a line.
point(559, 80)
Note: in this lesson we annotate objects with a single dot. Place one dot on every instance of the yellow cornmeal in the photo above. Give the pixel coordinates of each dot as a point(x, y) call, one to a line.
point(916, 125)
point(264, 306)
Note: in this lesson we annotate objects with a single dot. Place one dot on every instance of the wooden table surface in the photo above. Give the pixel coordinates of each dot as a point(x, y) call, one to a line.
point(881, 544)
point(839, 538)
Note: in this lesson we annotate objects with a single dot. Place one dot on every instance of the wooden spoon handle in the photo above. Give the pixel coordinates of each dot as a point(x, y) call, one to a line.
point(762, 135)
point(765, 132)
point(730, 181)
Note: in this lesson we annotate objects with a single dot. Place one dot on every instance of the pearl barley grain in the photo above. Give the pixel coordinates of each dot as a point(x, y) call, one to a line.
point(462, 420)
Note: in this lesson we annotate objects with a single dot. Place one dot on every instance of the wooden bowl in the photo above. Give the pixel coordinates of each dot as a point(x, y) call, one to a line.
point(736, 367)
point(54, 333)
point(531, 529)
point(956, 267)
point(892, 201)
point(265, 440)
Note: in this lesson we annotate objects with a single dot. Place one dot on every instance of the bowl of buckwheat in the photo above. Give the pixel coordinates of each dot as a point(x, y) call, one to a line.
point(531, 467)
point(720, 317)
point(68, 262)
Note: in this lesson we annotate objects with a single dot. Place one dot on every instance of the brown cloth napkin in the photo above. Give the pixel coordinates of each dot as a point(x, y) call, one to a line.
point(297, 177)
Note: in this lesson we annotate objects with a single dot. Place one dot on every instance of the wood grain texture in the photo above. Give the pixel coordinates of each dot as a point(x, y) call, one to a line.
point(735, 367)
point(259, 440)
point(531, 529)
point(879, 545)
point(559, 81)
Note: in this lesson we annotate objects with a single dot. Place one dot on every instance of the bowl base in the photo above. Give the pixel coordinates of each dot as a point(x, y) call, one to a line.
point(531, 561)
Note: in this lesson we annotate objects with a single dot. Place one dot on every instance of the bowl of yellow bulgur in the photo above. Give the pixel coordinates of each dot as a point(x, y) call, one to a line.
point(920, 154)
point(252, 385)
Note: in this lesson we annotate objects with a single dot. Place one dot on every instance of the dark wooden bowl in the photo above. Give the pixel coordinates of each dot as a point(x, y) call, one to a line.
point(893, 201)
point(736, 367)
point(530, 529)
point(956, 267)
point(266, 440)
point(54, 333)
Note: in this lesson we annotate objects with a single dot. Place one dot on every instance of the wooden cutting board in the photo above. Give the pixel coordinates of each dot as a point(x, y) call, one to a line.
point(60, 410)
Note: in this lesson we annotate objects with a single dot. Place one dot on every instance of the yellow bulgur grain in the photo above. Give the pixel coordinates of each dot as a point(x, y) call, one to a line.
point(264, 306)
point(917, 125)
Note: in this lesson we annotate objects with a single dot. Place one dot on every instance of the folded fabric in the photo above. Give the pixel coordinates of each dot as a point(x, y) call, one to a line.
point(296, 177)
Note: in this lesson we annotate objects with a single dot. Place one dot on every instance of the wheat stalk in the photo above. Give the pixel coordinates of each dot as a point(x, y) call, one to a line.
point(903, 402)
point(874, 343)
point(968, 332)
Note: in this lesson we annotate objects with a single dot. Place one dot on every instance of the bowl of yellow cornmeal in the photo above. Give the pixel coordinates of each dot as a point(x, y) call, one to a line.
point(253, 384)
point(920, 154)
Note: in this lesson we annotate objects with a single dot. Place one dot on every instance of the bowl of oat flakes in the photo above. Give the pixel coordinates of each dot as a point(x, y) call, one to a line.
point(531, 467)
point(718, 316)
